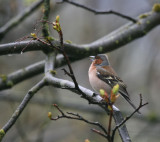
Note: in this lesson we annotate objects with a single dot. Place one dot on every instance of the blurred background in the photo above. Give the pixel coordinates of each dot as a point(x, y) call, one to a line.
point(137, 63)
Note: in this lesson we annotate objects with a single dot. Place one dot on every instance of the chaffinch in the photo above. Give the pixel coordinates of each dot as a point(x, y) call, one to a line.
point(102, 76)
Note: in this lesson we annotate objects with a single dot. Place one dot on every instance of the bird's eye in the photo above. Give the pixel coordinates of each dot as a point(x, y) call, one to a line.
point(98, 61)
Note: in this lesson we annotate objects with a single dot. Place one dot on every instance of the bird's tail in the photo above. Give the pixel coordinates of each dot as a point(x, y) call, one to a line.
point(130, 102)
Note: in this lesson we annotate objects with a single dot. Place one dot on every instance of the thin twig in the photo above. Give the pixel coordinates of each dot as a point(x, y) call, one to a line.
point(70, 73)
point(100, 133)
point(61, 50)
point(95, 11)
point(110, 122)
point(128, 117)
point(76, 116)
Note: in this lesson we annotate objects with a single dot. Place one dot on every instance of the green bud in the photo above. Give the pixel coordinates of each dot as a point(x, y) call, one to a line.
point(57, 18)
point(115, 89)
point(102, 92)
point(2, 133)
point(156, 7)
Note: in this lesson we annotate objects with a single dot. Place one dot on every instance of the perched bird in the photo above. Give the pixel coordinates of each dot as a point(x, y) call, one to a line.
point(102, 76)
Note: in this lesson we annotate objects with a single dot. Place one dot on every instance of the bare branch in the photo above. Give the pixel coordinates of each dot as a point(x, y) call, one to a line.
point(128, 117)
point(76, 116)
point(12, 79)
point(23, 104)
point(95, 11)
point(8, 81)
point(60, 83)
point(110, 42)
point(77, 88)
point(99, 133)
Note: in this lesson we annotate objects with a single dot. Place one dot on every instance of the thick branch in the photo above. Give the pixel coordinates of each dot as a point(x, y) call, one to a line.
point(45, 29)
point(118, 118)
point(50, 61)
point(20, 75)
point(49, 79)
point(110, 42)
point(60, 83)
point(19, 18)
point(8, 81)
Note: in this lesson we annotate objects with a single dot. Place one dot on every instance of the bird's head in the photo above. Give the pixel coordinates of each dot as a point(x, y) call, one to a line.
point(100, 60)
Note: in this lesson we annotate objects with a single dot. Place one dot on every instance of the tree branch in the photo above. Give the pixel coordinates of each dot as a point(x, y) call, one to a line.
point(110, 42)
point(96, 11)
point(114, 40)
point(128, 117)
point(19, 18)
point(75, 116)
point(45, 29)
point(21, 107)
point(8, 81)
point(60, 83)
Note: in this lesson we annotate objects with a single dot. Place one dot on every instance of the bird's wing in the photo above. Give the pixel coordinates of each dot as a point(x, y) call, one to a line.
point(112, 80)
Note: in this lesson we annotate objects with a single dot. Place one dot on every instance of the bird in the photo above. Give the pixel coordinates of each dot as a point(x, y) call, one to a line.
point(102, 76)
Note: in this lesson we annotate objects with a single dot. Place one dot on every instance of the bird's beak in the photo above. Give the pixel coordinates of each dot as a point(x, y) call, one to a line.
point(92, 58)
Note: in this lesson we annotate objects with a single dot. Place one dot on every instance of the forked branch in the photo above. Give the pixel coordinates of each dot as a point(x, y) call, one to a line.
point(141, 104)
point(76, 116)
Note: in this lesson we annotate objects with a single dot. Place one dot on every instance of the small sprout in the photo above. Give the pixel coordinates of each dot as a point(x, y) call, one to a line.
point(34, 35)
point(110, 107)
point(53, 72)
point(10, 83)
point(87, 140)
point(114, 98)
point(143, 16)
point(104, 95)
point(2, 133)
point(56, 25)
point(57, 19)
point(114, 92)
point(115, 89)
point(101, 91)
point(50, 115)
point(68, 41)
point(50, 38)
point(156, 7)
point(3, 77)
